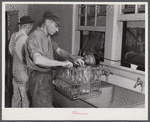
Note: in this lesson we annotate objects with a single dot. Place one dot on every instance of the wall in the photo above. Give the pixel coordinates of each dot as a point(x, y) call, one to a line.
point(23, 8)
point(64, 36)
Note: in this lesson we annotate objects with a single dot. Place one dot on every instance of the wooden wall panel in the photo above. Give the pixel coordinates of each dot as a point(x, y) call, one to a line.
point(22, 8)
point(11, 19)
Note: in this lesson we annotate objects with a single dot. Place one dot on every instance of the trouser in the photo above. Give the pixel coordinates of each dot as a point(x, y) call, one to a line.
point(19, 98)
point(16, 98)
point(40, 88)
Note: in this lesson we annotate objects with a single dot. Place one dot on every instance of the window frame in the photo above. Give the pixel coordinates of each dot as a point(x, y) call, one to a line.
point(114, 23)
point(76, 28)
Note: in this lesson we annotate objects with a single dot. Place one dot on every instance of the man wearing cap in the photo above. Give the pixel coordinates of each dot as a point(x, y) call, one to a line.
point(39, 55)
point(16, 49)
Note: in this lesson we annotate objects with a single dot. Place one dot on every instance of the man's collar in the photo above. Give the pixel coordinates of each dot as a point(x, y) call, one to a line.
point(42, 31)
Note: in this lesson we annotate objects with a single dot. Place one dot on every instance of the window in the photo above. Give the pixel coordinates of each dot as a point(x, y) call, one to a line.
point(92, 15)
point(133, 42)
point(91, 25)
point(93, 41)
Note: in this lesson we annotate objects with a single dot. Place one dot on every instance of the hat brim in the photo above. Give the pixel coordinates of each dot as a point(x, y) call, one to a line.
point(58, 23)
point(25, 22)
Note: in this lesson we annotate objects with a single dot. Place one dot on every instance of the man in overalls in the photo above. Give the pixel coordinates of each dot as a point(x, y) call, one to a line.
point(39, 55)
point(16, 49)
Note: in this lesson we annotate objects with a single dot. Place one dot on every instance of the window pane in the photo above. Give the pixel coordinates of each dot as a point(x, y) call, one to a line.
point(133, 47)
point(101, 15)
point(93, 41)
point(90, 15)
point(128, 9)
point(141, 8)
point(81, 15)
point(92, 19)
point(101, 10)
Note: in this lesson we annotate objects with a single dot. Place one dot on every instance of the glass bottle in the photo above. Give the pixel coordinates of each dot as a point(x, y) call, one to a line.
point(83, 84)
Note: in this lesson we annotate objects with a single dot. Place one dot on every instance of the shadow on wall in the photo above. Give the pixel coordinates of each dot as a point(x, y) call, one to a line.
point(64, 36)
point(36, 12)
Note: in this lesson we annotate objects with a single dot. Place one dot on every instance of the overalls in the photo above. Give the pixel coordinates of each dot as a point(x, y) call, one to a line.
point(40, 88)
point(20, 76)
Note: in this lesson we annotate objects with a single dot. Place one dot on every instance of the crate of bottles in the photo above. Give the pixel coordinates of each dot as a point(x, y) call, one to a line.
point(82, 82)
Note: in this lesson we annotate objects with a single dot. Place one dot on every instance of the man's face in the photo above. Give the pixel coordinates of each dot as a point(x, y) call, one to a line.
point(28, 27)
point(52, 28)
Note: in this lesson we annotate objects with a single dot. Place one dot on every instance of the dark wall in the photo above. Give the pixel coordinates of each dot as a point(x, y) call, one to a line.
point(64, 36)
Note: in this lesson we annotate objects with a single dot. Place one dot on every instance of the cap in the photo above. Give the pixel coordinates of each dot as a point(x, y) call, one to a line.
point(50, 15)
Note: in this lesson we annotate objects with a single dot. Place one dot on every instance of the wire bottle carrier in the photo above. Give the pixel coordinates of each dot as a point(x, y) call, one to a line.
point(75, 83)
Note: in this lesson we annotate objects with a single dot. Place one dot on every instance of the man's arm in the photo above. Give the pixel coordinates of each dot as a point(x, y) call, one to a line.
point(19, 48)
point(42, 61)
point(36, 53)
point(12, 42)
point(68, 56)
point(65, 54)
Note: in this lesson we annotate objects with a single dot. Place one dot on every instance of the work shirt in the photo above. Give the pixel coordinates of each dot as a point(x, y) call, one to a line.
point(16, 48)
point(39, 42)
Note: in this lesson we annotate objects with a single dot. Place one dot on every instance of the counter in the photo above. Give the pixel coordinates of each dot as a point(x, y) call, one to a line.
point(112, 97)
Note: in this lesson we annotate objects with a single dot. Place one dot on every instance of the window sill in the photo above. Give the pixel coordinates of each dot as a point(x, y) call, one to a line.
point(122, 68)
point(132, 17)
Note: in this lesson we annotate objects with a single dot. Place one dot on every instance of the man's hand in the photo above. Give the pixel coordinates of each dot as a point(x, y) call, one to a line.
point(75, 59)
point(67, 64)
point(79, 62)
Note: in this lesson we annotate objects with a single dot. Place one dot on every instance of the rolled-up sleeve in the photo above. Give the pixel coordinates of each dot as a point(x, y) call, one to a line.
point(54, 46)
point(34, 46)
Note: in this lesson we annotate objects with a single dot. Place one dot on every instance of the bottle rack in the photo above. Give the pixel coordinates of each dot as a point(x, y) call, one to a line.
point(80, 83)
